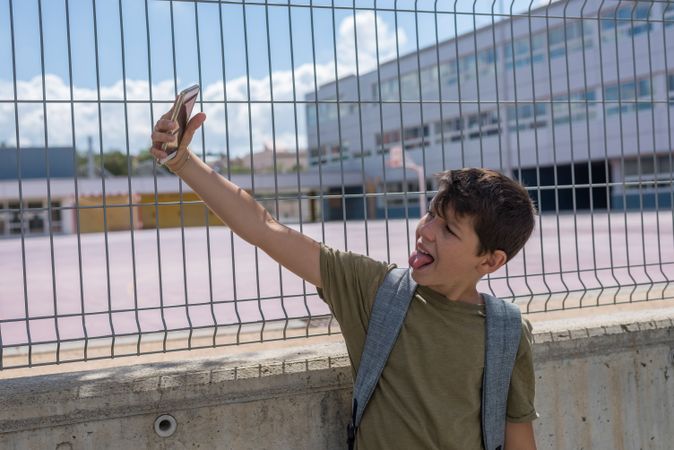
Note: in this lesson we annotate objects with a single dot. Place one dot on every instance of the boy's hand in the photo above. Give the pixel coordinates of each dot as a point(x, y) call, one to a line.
point(165, 132)
point(519, 436)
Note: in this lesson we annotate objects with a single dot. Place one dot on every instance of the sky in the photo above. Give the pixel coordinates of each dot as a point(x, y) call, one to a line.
point(248, 50)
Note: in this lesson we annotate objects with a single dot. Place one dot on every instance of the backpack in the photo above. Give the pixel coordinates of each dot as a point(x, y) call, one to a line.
point(502, 330)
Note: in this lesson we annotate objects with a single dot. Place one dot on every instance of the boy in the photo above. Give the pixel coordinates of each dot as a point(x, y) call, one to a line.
point(429, 394)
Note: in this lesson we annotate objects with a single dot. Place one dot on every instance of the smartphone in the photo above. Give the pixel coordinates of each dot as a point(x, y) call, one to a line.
point(182, 110)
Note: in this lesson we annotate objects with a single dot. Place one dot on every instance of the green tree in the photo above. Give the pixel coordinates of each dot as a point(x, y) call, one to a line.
point(116, 163)
point(144, 155)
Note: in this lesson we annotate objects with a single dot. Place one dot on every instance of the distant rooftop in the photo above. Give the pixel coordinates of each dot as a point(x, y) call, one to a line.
point(35, 161)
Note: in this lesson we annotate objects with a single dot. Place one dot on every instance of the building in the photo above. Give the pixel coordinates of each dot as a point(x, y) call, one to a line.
point(36, 162)
point(30, 165)
point(570, 95)
point(63, 203)
point(270, 159)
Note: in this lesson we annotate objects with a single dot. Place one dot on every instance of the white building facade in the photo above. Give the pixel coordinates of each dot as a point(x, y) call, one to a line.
point(571, 95)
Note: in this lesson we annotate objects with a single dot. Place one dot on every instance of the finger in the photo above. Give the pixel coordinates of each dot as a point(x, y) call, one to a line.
point(160, 137)
point(158, 153)
point(166, 125)
point(191, 128)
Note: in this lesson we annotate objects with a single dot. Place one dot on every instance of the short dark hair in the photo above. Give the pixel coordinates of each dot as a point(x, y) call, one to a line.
point(501, 210)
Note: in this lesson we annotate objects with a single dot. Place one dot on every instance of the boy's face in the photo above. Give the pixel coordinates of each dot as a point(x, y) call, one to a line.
point(445, 254)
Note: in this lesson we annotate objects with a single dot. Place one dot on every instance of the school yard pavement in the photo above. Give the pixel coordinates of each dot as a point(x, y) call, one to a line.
point(153, 281)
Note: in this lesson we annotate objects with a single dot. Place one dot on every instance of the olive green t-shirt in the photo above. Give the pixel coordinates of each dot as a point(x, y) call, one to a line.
point(429, 394)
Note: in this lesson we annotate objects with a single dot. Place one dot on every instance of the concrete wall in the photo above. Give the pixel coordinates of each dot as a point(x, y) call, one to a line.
point(608, 386)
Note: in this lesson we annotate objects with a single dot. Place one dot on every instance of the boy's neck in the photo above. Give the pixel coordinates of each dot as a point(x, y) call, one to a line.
point(474, 298)
point(461, 294)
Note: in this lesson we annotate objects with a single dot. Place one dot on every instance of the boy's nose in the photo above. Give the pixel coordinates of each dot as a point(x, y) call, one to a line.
point(427, 228)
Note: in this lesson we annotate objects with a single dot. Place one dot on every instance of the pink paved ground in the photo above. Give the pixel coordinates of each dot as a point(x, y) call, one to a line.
point(636, 251)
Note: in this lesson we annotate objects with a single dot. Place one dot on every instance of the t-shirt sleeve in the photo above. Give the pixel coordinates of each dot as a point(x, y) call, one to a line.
point(350, 282)
point(523, 382)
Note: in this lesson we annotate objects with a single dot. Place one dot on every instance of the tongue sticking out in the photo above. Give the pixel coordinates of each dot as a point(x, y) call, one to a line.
point(418, 259)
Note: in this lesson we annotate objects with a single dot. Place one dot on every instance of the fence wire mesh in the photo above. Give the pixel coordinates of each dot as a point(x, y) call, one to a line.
point(335, 115)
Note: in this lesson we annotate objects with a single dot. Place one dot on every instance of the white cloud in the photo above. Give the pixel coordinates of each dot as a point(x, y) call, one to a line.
point(86, 113)
point(114, 130)
point(370, 39)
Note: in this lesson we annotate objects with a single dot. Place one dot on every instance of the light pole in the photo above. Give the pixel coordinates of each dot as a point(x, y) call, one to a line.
point(395, 160)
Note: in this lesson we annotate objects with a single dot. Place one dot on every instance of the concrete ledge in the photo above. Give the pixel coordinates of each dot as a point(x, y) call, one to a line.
point(603, 383)
point(554, 345)
point(54, 400)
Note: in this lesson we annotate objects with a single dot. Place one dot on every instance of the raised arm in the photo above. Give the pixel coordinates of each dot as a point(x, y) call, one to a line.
point(244, 216)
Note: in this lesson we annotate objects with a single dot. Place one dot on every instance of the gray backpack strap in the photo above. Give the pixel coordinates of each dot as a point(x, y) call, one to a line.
point(502, 330)
point(387, 317)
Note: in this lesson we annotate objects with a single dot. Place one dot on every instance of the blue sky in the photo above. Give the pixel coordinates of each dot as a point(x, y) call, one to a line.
point(246, 59)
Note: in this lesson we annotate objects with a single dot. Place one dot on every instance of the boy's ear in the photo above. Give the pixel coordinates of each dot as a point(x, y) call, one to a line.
point(492, 261)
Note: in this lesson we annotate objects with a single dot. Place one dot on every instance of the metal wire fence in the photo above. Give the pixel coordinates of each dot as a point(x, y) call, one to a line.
point(335, 115)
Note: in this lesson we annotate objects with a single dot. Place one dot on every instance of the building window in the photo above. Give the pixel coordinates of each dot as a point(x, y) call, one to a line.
point(485, 60)
point(626, 20)
point(409, 84)
point(389, 138)
point(626, 97)
point(344, 150)
point(470, 126)
point(525, 52)
point(574, 107)
point(670, 83)
point(347, 109)
point(429, 79)
point(652, 171)
point(527, 116)
point(450, 129)
point(363, 154)
point(56, 217)
point(573, 34)
point(448, 74)
point(416, 136)
point(328, 152)
point(389, 90)
point(4, 219)
point(15, 218)
point(416, 132)
point(397, 200)
point(35, 217)
point(315, 157)
point(483, 124)
point(467, 67)
point(327, 111)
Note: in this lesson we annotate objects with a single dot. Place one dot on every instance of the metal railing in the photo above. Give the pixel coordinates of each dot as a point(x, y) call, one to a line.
point(103, 254)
